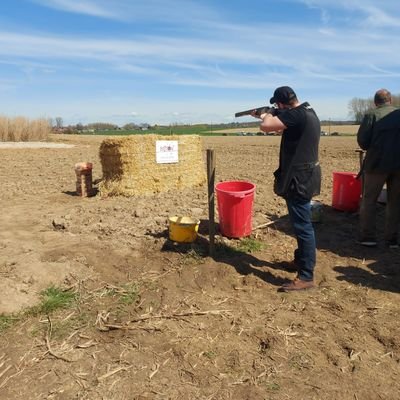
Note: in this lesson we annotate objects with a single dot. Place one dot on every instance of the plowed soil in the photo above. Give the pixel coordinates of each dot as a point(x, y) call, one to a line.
point(157, 320)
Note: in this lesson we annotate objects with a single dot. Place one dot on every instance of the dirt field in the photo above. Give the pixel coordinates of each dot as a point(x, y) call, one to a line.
point(156, 320)
point(340, 129)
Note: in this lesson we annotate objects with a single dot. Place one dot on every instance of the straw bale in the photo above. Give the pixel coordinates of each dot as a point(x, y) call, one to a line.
point(130, 168)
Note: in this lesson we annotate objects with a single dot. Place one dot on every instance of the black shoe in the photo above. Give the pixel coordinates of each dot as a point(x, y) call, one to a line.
point(367, 242)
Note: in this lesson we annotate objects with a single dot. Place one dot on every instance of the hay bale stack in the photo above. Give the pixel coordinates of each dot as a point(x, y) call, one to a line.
point(130, 167)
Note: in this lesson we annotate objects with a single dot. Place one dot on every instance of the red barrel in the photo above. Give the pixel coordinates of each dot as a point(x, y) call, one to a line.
point(346, 191)
point(235, 208)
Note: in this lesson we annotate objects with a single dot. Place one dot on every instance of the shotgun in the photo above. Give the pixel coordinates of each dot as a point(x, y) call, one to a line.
point(258, 111)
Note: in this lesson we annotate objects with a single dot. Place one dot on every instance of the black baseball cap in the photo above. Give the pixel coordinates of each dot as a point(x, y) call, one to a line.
point(283, 95)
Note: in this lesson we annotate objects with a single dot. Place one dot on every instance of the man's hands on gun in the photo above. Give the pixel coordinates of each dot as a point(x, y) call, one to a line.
point(261, 112)
point(266, 114)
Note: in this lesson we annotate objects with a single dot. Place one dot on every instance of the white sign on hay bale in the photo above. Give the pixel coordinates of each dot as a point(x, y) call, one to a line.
point(130, 164)
point(167, 151)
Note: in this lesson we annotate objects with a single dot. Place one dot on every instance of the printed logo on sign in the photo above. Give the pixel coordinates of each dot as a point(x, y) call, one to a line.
point(166, 151)
point(167, 148)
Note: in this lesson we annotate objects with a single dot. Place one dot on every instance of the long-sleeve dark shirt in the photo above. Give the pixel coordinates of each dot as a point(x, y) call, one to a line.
point(379, 135)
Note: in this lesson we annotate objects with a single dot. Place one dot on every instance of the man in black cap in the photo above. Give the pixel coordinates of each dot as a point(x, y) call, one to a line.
point(298, 177)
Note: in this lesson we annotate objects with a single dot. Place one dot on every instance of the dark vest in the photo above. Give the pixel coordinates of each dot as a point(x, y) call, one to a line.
point(299, 172)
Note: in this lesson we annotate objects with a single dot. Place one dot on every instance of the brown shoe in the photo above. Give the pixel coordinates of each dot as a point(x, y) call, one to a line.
point(297, 284)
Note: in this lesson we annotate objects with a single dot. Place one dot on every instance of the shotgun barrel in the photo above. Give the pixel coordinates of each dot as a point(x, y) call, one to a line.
point(258, 111)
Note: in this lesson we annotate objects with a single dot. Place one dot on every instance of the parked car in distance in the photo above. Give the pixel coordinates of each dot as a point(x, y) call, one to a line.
point(245, 133)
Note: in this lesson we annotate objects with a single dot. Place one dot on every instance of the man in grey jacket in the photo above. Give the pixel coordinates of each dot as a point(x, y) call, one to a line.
point(379, 135)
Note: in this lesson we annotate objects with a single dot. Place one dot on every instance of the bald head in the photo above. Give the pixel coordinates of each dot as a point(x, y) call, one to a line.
point(382, 96)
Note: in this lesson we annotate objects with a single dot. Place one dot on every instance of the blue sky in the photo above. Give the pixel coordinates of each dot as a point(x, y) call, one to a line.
point(184, 61)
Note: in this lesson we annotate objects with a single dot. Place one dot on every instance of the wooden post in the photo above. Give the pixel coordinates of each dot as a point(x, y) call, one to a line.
point(360, 175)
point(211, 199)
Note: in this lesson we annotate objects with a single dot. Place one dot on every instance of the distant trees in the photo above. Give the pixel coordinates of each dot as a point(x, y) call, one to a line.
point(130, 127)
point(79, 127)
point(102, 126)
point(359, 107)
point(59, 122)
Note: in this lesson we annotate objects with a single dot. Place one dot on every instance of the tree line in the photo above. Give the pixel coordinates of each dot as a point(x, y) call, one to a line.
point(58, 124)
point(359, 107)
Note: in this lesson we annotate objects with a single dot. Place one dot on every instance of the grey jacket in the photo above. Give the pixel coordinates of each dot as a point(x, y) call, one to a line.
point(379, 135)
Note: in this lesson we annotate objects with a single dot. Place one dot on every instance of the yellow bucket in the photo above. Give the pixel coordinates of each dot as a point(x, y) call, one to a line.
point(183, 229)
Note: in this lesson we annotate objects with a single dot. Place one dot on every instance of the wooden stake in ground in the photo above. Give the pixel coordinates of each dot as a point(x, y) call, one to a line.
point(211, 198)
point(361, 154)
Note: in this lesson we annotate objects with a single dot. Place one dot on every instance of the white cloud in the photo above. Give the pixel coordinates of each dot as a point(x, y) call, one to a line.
point(200, 52)
point(7, 86)
point(333, 55)
point(369, 13)
point(80, 7)
point(378, 18)
point(187, 12)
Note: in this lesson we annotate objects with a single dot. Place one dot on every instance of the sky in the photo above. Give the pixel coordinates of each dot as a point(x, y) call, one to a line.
point(186, 61)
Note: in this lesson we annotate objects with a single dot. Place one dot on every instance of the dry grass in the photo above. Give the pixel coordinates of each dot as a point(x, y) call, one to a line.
point(21, 129)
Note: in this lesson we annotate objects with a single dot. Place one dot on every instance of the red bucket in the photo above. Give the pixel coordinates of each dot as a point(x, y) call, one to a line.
point(235, 207)
point(346, 191)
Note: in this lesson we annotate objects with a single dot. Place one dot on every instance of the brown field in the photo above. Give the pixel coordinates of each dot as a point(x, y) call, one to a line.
point(341, 129)
point(156, 320)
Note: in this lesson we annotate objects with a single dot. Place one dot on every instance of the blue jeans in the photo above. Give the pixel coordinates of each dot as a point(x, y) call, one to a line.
point(305, 254)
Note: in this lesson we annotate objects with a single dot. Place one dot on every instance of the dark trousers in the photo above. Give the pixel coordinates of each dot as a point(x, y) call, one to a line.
point(305, 254)
point(373, 184)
